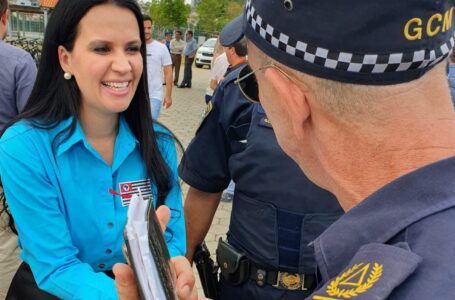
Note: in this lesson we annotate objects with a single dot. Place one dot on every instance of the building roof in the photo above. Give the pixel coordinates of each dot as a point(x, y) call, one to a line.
point(48, 3)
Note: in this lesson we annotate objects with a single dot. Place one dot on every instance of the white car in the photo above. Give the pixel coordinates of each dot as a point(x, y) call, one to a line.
point(204, 54)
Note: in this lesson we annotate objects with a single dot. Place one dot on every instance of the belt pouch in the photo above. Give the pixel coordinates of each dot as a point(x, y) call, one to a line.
point(234, 265)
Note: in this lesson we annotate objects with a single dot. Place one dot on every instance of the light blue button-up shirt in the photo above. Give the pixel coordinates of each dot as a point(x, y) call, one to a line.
point(70, 222)
point(190, 47)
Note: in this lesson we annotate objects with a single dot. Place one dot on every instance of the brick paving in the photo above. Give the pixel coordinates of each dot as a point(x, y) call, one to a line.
point(183, 118)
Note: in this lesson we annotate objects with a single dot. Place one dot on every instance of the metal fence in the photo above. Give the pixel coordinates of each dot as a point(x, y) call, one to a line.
point(32, 46)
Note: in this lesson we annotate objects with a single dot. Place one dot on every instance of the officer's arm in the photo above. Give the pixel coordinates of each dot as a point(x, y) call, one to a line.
point(213, 84)
point(199, 210)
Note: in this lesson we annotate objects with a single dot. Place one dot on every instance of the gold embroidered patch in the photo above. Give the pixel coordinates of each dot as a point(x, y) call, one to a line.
point(353, 282)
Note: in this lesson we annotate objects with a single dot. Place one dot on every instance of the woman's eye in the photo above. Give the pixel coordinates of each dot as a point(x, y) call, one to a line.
point(101, 49)
point(133, 49)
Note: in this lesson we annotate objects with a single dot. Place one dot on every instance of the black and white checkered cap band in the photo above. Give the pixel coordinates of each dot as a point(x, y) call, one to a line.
point(345, 61)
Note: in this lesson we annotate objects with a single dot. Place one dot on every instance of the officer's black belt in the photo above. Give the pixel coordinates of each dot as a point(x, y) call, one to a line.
point(282, 280)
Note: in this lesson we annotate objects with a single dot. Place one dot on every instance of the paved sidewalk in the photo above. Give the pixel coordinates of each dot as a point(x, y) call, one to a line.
point(183, 118)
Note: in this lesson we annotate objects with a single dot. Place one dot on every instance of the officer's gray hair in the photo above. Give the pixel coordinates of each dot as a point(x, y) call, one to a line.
point(338, 99)
point(345, 101)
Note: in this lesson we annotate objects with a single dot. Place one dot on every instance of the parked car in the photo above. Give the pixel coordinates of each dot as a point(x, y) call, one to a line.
point(204, 54)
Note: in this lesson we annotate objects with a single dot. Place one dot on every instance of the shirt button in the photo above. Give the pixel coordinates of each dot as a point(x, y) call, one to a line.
point(108, 251)
point(101, 266)
point(110, 225)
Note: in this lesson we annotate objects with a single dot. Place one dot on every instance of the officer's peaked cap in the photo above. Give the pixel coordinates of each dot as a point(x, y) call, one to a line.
point(356, 41)
point(232, 32)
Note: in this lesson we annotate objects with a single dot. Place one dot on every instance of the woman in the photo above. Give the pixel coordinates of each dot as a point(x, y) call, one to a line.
point(84, 144)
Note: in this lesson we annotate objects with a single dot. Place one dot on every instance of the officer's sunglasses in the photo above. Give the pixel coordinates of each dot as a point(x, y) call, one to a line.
point(248, 84)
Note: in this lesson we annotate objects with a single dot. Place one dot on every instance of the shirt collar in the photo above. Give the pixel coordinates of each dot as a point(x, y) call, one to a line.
point(58, 134)
point(385, 213)
point(125, 138)
point(125, 143)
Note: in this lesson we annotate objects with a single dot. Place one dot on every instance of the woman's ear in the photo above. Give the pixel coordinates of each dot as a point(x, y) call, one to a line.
point(4, 18)
point(64, 57)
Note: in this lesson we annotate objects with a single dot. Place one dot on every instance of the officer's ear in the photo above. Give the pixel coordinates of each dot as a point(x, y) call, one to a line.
point(294, 95)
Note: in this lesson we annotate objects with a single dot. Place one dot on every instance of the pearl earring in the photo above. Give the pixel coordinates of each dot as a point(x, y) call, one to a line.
point(67, 76)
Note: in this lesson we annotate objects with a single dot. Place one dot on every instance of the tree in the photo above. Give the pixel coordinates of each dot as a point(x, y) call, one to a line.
point(169, 13)
point(215, 14)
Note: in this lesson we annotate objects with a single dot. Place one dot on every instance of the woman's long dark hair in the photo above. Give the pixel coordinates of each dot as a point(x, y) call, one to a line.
point(54, 99)
point(4, 210)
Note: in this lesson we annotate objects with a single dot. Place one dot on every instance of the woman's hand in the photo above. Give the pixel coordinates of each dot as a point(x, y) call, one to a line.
point(125, 282)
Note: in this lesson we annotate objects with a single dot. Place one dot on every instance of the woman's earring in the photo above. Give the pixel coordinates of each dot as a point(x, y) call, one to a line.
point(67, 76)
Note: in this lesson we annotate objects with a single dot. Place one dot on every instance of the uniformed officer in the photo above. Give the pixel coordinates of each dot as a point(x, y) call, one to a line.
point(276, 211)
point(357, 98)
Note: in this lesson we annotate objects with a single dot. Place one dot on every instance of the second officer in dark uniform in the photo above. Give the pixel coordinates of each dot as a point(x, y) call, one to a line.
point(277, 212)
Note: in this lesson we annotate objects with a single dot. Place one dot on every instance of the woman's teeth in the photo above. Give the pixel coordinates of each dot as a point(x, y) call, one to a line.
point(116, 85)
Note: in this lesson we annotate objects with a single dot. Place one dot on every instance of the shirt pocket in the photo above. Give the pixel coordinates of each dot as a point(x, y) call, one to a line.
point(237, 135)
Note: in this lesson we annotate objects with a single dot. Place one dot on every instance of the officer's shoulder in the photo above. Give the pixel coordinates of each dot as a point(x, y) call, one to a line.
point(374, 272)
point(232, 75)
point(227, 82)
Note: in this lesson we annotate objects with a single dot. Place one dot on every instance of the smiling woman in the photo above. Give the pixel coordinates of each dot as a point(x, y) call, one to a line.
point(83, 146)
point(106, 61)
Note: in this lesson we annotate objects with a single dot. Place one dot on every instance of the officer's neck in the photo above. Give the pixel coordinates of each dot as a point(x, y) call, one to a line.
point(356, 159)
point(368, 168)
point(236, 60)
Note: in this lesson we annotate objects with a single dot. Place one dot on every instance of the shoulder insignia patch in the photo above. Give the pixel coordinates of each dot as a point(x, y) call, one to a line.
point(206, 113)
point(265, 122)
point(353, 282)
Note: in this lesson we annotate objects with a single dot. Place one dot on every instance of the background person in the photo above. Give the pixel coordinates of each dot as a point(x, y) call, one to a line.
point(167, 40)
point(83, 145)
point(219, 67)
point(17, 75)
point(158, 62)
point(189, 52)
point(176, 47)
point(374, 124)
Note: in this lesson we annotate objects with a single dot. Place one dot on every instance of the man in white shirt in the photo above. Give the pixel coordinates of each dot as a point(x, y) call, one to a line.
point(158, 61)
point(219, 68)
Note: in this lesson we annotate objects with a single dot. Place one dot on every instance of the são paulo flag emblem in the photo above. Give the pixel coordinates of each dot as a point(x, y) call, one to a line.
point(128, 189)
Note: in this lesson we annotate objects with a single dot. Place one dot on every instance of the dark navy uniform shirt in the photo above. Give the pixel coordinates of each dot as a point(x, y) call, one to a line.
point(205, 164)
point(276, 211)
point(397, 244)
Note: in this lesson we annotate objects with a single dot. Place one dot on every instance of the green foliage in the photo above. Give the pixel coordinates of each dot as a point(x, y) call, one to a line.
point(214, 14)
point(169, 13)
